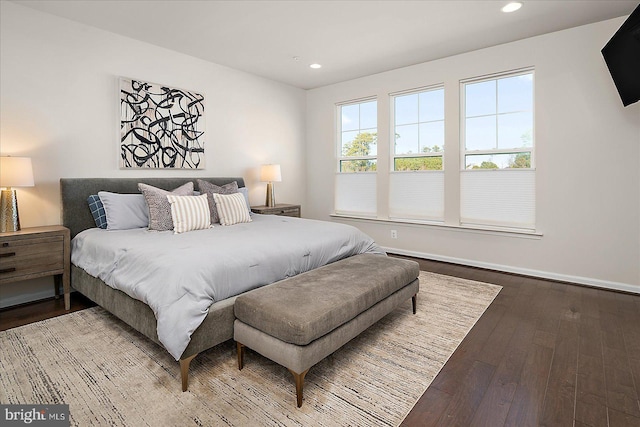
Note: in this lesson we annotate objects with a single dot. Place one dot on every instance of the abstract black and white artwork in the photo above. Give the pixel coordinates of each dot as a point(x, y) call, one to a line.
point(160, 127)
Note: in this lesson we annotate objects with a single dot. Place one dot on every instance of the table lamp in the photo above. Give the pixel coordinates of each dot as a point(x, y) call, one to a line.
point(270, 174)
point(14, 172)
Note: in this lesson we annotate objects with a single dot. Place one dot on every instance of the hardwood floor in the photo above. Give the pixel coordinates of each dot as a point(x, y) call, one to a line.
point(543, 354)
point(23, 314)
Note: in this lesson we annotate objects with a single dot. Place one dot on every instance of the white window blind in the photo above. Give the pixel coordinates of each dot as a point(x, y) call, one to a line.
point(417, 195)
point(504, 198)
point(356, 194)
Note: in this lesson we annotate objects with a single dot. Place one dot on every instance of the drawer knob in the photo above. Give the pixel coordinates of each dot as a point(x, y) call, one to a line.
point(8, 270)
point(7, 255)
point(5, 244)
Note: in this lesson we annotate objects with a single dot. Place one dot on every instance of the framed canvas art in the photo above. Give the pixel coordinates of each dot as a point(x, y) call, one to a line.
point(160, 127)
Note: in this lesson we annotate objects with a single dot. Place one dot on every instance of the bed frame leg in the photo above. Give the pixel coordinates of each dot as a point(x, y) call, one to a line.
point(240, 350)
point(184, 371)
point(299, 379)
point(414, 302)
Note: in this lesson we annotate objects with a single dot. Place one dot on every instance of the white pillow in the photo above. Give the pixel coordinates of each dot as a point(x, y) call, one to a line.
point(124, 211)
point(189, 213)
point(232, 208)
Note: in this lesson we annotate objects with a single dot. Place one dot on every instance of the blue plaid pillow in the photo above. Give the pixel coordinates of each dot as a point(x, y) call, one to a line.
point(97, 210)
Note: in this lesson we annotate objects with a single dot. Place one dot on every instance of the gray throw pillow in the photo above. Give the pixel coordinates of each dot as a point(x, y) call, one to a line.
point(159, 206)
point(209, 189)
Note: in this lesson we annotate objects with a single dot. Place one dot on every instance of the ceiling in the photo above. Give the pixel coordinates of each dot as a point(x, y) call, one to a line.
point(349, 38)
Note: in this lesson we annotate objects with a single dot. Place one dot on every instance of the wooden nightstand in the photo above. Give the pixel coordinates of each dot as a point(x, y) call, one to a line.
point(279, 209)
point(37, 252)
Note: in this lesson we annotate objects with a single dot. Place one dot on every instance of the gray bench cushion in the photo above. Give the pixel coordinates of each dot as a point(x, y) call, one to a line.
point(305, 307)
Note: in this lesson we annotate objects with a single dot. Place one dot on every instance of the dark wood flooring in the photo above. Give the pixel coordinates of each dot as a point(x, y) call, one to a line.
point(23, 314)
point(543, 354)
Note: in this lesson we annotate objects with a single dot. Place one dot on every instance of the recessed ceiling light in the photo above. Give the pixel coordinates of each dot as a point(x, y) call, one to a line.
point(315, 66)
point(512, 7)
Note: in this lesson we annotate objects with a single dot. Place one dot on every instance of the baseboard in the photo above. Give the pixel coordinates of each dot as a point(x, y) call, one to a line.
point(617, 286)
point(22, 299)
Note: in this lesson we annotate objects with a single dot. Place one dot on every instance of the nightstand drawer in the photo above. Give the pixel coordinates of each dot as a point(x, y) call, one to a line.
point(287, 212)
point(282, 209)
point(31, 257)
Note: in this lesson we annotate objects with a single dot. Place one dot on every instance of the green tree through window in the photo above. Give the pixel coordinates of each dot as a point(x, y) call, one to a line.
point(359, 147)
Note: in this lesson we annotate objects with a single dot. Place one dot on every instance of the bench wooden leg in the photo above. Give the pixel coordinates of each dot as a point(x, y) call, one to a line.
point(240, 351)
point(299, 379)
point(414, 302)
point(184, 371)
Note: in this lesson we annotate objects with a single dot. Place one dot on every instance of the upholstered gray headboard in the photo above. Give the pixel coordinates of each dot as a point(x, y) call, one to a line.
point(75, 191)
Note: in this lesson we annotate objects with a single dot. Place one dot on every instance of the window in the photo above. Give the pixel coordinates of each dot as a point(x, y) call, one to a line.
point(357, 158)
point(417, 178)
point(498, 176)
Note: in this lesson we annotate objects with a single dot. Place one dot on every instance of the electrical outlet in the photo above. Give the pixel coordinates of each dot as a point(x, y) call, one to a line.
point(394, 234)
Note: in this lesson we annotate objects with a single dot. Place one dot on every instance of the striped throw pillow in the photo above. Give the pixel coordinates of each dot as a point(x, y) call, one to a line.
point(189, 213)
point(232, 208)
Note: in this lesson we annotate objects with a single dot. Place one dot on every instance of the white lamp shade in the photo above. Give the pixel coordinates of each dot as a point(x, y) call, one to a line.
point(270, 173)
point(16, 172)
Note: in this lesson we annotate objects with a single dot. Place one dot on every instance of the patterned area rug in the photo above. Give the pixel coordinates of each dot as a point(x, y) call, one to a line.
point(111, 375)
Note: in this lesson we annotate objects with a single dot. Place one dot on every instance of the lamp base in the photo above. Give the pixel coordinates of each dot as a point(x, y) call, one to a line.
point(9, 219)
point(271, 196)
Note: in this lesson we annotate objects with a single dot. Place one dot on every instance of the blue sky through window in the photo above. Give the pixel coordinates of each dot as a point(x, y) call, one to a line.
point(499, 113)
point(419, 121)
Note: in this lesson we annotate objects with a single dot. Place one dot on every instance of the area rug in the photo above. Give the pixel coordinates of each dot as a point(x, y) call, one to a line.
point(111, 375)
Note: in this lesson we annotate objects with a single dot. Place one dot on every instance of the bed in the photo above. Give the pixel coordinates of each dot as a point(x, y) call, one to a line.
point(215, 322)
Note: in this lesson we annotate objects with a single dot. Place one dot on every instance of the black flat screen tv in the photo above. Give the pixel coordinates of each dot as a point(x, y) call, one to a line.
point(622, 55)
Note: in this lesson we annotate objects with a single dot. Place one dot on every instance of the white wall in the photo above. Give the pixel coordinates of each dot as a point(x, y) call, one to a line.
point(587, 148)
point(59, 105)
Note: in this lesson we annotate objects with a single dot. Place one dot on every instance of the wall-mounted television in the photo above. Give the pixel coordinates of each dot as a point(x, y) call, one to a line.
point(622, 55)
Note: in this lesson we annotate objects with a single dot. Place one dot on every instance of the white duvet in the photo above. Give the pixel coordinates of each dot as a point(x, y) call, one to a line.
point(180, 275)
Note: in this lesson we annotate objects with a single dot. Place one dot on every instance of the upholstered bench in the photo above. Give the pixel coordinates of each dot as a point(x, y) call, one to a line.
point(301, 320)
